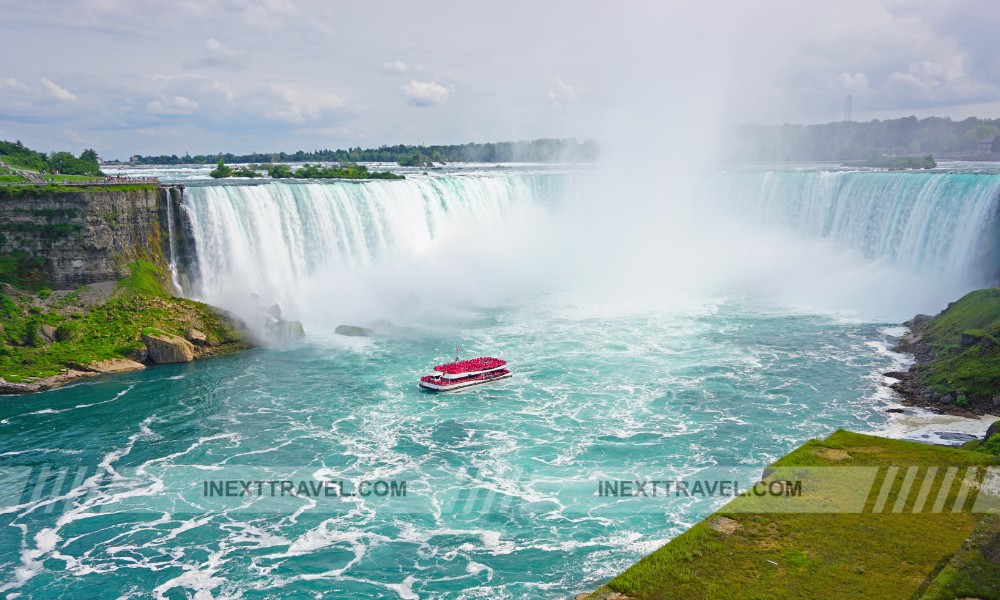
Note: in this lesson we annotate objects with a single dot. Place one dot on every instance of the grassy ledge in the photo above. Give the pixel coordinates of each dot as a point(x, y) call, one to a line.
point(867, 554)
point(45, 333)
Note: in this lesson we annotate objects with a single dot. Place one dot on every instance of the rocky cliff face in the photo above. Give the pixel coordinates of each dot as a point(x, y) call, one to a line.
point(66, 239)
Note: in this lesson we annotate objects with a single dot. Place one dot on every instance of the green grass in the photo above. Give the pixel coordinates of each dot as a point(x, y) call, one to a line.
point(12, 191)
point(976, 310)
point(990, 446)
point(108, 330)
point(65, 178)
point(818, 554)
point(973, 572)
point(972, 371)
point(143, 279)
point(901, 162)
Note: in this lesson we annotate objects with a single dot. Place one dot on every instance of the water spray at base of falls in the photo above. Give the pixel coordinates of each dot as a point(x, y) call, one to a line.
point(884, 245)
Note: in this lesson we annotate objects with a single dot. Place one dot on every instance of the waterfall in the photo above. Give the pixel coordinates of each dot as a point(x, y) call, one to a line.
point(172, 244)
point(927, 237)
point(269, 239)
point(926, 222)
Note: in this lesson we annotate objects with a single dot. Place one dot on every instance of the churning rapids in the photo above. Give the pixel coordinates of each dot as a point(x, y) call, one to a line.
point(650, 340)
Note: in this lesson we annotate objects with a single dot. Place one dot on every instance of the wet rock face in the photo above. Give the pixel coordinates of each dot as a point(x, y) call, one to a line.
point(69, 239)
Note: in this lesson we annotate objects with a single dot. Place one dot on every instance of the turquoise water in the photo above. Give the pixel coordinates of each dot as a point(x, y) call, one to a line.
point(652, 335)
point(596, 396)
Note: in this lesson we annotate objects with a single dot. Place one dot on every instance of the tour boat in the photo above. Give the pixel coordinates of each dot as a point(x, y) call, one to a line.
point(462, 374)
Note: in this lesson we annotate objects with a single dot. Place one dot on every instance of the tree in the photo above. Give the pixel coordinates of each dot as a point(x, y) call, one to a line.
point(221, 171)
point(89, 162)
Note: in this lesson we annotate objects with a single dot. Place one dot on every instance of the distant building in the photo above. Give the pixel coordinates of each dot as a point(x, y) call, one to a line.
point(984, 146)
point(132, 160)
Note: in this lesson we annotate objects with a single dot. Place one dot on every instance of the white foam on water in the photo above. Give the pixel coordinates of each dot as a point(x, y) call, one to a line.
point(404, 589)
point(199, 581)
point(42, 451)
point(920, 425)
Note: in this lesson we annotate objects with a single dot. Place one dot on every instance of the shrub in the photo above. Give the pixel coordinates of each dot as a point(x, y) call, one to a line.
point(34, 335)
point(990, 446)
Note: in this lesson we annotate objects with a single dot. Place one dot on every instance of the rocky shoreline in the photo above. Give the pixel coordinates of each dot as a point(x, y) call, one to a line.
point(913, 392)
point(158, 348)
point(910, 384)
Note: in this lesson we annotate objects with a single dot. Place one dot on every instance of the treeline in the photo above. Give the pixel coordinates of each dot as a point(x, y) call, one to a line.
point(849, 140)
point(342, 171)
point(541, 150)
point(18, 155)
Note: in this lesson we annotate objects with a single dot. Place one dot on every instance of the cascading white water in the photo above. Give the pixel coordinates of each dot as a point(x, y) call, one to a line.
point(917, 239)
point(271, 239)
point(172, 245)
point(927, 222)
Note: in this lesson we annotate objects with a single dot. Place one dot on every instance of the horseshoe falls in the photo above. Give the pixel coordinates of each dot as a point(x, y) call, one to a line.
point(929, 222)
point(370, 250)
point(652, 336)
point(311, 246)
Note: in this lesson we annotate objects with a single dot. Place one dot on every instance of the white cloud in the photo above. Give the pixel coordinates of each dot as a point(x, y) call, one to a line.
point(924, 76)
point(218, 55)
point(57, 92)
point(283, 103)
point(425, 93)
point(158, 132)
point(857, 82)
point(9, 83)
point(394, 67)
point(562, 94)
point(217, 48)
point(943, 80)
point(172, 105)
point(221, 89)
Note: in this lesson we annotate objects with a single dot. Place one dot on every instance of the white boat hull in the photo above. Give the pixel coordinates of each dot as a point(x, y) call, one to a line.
point(455, 387)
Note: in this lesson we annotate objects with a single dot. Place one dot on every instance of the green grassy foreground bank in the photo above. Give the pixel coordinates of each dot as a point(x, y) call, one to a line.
point(742, 552)
point(44, 333)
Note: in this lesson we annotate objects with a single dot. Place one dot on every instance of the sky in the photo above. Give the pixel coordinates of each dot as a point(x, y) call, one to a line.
point(148, 77)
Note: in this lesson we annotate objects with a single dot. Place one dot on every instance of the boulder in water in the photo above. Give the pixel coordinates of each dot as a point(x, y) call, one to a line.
point(281, 331)
point(167, 348)
point(353, 331)
point(290, 329)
